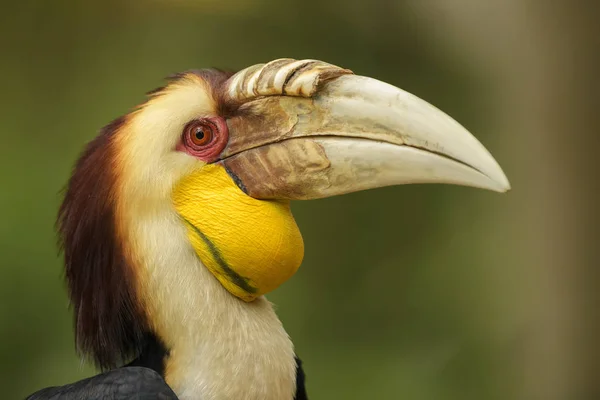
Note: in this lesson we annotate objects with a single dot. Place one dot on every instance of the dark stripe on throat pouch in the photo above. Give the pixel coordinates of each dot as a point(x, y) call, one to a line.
point(233, 276)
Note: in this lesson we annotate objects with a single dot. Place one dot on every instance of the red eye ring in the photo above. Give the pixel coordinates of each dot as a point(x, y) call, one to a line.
point(204, 138)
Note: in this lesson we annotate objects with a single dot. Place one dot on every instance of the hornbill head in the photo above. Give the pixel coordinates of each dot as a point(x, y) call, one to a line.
point(200, 178)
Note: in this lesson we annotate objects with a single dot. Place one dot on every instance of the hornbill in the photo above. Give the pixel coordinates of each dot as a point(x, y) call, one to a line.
point(176, 220)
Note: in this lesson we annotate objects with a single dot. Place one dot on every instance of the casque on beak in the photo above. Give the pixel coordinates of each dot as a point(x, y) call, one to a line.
point(310, 130)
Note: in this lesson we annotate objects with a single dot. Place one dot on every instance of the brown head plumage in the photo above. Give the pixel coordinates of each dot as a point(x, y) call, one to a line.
point(108, 319)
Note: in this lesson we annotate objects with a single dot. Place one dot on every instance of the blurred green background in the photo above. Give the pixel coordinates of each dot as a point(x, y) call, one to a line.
point(414, 292)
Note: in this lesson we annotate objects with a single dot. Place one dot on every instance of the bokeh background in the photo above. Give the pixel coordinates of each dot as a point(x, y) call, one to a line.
point(415, 292)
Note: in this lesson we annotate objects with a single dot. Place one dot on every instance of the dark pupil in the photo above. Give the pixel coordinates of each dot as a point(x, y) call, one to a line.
point(199, 133)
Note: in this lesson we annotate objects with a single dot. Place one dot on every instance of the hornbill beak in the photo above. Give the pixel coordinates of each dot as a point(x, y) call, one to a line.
point(308, 130)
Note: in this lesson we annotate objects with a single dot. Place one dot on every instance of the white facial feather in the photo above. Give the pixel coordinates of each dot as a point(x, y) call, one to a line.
point(221, 348)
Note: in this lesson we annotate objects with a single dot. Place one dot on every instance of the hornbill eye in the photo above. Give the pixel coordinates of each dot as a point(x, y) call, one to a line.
point(205, 138)
point(201, 135)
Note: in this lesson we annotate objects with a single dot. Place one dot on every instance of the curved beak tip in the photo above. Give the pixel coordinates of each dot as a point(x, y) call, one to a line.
point(503, 184)
point(496, 178)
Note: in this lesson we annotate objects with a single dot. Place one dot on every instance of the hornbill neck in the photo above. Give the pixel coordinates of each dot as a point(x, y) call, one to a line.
point(219, 346)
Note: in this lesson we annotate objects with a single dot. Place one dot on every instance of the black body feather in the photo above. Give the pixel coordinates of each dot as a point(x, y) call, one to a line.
point(142, 379)
point(138, 383)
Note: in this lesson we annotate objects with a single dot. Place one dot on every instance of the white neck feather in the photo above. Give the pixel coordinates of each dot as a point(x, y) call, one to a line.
point(221, 348)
